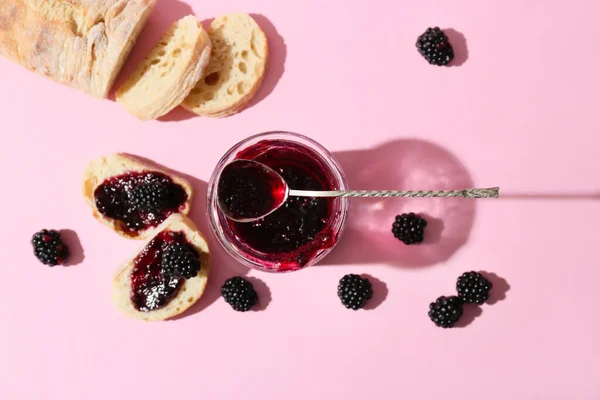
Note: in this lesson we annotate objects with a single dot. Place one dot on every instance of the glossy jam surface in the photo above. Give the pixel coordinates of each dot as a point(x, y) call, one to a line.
point(150, 288)
point(295, 233)
point(139, 199)
point(247, 190)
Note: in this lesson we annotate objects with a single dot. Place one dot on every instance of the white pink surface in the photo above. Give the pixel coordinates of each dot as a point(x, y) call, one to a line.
point(521, 112)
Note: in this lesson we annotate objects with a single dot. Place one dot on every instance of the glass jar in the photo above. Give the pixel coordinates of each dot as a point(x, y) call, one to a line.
point(305, 229)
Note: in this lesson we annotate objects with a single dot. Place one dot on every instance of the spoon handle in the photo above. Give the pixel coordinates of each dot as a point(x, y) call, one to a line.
point(465, 193)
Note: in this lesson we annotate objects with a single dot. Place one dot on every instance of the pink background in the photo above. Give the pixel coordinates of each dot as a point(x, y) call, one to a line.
point(520, 112)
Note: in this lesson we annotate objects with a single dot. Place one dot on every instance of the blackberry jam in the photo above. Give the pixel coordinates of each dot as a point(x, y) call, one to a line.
point(304, 229)
point(139, 200)
point(150, 288)
point(248, 190)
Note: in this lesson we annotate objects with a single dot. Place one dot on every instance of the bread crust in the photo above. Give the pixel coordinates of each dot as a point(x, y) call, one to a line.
point(102, 168)
point(78, 43)
point(188, 294)
point(251, 40)
point(169, 72)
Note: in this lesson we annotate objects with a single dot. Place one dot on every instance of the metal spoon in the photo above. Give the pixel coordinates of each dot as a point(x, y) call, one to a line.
point(263, 179)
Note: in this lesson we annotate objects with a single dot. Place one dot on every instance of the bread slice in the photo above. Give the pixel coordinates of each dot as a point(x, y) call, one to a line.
point(236, 69)
point(79, 43)
point(102, 168)
point(169, 72)
point(188, 294)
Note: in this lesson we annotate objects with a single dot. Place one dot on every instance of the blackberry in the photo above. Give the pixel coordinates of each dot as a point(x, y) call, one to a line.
point(409, 228)
point(151, 197)
point(354, 291)
point(446, 311)
point(239, 293)
point(49, 248)
point(472, 287)
point(179, 262)
point(435, 47)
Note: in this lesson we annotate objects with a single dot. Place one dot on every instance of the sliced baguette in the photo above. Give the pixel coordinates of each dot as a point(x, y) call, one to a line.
point(236, 69)
point(188, 294)
point(102, 168)
point(167, 75)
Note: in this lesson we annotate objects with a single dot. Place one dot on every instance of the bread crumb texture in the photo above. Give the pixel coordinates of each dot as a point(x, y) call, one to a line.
point(169, 72)
point(236, 69)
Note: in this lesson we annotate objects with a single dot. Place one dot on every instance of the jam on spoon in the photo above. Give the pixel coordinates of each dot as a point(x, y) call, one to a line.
point(249, 190)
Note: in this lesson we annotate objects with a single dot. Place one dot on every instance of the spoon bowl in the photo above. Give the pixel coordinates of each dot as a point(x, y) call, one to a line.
point(248, 191)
